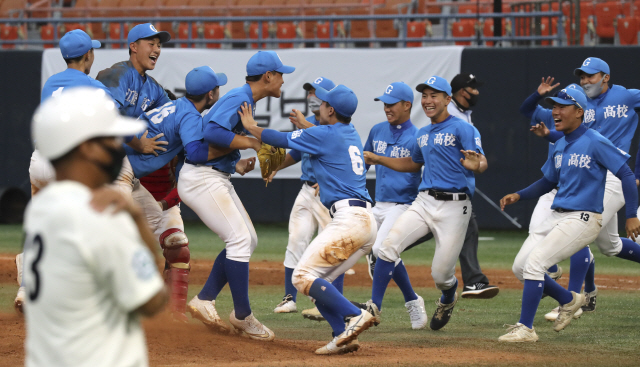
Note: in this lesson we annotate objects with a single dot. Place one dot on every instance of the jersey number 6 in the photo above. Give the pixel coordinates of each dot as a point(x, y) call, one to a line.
point(356, 160)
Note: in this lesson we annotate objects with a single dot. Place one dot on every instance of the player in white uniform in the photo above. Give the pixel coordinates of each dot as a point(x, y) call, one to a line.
point(450, 151)
point(90, 273)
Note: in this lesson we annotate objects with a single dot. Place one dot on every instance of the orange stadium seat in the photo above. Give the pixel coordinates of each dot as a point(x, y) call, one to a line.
point(68, 27)
point(587, 9)
point(544, 29)
point(359, 28)
point(8, 33)
point(628, 30)
point(286, 31)
point(253, 33)
point(463, 28)
point(7, 5)
point(322, 32)
point(183, 33)
point(107, 8)
point(213, 31)
point(385, 28)
point(309, 27)
point(473, 9)
point(606, 14)
point(193, 10)
point(46, 34)
point(487, 29)
point(416, 29)
point(583, 31)
point(115, 33)
point(237, 31)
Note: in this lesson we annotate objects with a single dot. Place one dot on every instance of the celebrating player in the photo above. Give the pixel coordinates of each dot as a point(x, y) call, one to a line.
point(207, 190)
point(336, 158)
point(451, 152)
point(89, 275)
point(578, 166)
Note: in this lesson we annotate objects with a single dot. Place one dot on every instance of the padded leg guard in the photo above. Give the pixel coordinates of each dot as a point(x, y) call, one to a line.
point(175, 247)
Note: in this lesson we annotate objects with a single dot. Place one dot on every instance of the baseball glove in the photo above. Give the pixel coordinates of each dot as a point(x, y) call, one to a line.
point(270, 159)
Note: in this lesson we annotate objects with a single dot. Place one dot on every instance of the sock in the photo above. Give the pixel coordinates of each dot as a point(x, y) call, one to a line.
point(238, 273)
point(335, 321)
point(288, 284)
point(579, 265)
point(339, 283)
point(531, 296)
point(630, 250)
point(401, 277)
point(589, 280)
point(217, 279)
point(553, 268)
point(381, 277)
point(448, 296)
point(328, 297)
point(555, 291)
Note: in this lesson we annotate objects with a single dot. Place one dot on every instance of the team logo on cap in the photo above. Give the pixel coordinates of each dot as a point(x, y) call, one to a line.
point(389, 89)
point(153, 28)
point(431, 80)
point(318, 81)
point(586, 62)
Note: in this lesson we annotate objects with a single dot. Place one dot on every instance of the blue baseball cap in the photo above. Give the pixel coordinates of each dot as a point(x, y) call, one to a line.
point(76, 43)
point(592, 65)
point(202, 80)
point(322, 82)
point(264, 61)
point(341, 98)
point(568, 97)
point(575, 86)
point(395, 93)
point(147, 30)
point(436, 83)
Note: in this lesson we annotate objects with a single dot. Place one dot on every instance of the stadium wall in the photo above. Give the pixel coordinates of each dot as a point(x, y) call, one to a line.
point(510, 75)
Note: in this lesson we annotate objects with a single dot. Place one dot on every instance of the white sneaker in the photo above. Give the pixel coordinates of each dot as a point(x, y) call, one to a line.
point(417, 313)
point(287, 305)
point(313, 314)
point(553, 315)
point(354, 327)
point(250, 327)
point(332, 348)
point(567, 311)
point(205, 311)
point(19, 301)
point(519, 333)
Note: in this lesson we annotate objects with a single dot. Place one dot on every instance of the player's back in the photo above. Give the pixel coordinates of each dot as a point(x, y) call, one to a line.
point(78, 309)
point(613, 115)
point(68, 79)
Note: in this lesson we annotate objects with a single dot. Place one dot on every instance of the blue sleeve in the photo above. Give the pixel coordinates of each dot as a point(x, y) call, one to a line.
point(549, 169)
point(635, 97)
point(368, 147)
point(529, 105)
point(218, 135)
point(275, 138)
point(637, 170)
point(554, 136)
point(416, 152)
point(476, 144)
point(197, 151)
point(629, 190)
point(543, 115)
point(190, 128)
point(295, 154)
point(308, 140)
point(226, 114)
point(536, 189)
point(608, 155)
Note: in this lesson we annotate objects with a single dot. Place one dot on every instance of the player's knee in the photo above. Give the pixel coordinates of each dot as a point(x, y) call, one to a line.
point(302, 280)
point(443, 280)
point(387, 252)
point(534, 270)
point(175, 245)
point(518, 270)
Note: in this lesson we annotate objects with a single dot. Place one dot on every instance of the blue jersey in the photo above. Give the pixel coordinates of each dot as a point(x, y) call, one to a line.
point(336, 158)
point(305, 161)
point(579, 166)
point(181, 124)
point(396, 142)
point(612, 114)
point(68, 79)
point(133, 92)
point(544, 115)
point(438, 146)
point(225, 114)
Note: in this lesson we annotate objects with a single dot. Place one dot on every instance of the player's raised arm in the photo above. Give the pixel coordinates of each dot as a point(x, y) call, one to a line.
point(405, 164)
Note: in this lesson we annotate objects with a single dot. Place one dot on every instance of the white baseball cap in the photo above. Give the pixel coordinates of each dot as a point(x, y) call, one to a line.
point(62, 123)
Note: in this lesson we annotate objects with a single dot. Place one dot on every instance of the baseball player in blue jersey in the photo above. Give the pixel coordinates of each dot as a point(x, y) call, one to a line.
point(578, 166)
point(207, 189)
point(336, 157)
point(450, 150)
point(395, 191)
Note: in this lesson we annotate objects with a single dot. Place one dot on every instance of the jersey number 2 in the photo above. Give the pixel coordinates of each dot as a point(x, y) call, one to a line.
point(356, 160)
point(39, 247)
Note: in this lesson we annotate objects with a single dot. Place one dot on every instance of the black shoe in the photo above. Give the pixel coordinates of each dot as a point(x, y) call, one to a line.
point(371, 260)
point(590, 306)
point(443, 314)
point(480, 291)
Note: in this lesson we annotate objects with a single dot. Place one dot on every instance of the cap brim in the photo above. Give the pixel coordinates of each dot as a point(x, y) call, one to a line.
point(552, 100)
point(96, 44)
point(125, 126)
point(387, 99)
point(586, 70)
point(308, 87)
point(284, 69)
point(421, 87)
point(222, 78)
point(164, 36)
point(322, 94)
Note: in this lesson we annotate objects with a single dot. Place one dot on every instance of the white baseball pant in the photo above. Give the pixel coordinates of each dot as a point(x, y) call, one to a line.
point(542, 210)
point(41, 172)
point(556, 239)
point(386, 214)
point(608, 239)
point(308, 215)
point(349, 236)
point(448, 220)
point(211, 195)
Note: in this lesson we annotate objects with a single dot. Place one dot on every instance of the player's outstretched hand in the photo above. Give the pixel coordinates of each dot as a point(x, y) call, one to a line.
point(297, 119)
point(546, 86)
point(370, 158)
point(245, 166)
point(246, 115)
point(540, 130)
point(632, 226)
point(508, 200)
point(108, 198)
point(151, 145)
point(317, 187)
point(471, 160)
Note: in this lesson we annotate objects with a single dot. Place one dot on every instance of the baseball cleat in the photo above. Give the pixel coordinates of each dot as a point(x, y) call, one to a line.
point(18, 303)
point(519, 333)
point(355, 325)
point(288, 305)
point(350, 272)
point(332, 348)
point(205, 311)
point(250, 327)
point(370, 307)
point(443, 314)
point(313, 314)
point(480, 291)
point(553, 315)
point(566, 311)
point(417, 313)
point(371, 261)
point(590, 301)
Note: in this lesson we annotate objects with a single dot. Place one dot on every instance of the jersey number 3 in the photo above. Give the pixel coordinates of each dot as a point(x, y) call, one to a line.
point(356, 160)
point(38, 246)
